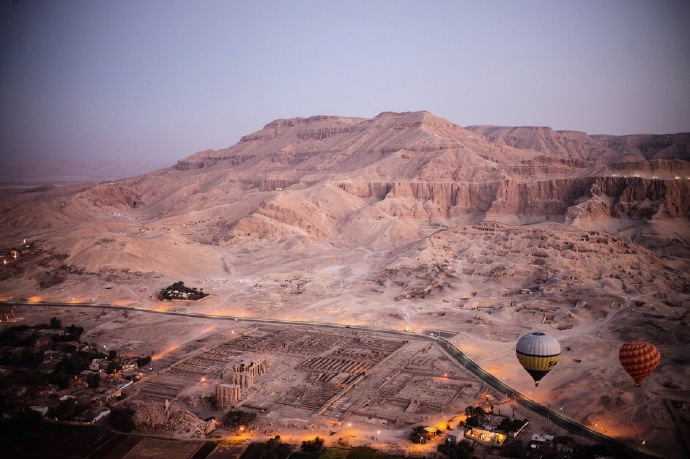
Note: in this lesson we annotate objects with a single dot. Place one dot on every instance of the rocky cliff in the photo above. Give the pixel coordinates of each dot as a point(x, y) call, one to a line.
point(597, 148)
point(324, 176)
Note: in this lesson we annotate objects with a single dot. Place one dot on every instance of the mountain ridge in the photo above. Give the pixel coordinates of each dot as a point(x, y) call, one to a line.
point(409, 166)
point(404, 221)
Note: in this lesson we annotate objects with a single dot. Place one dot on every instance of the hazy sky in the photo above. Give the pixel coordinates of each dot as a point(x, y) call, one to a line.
point(151, 79)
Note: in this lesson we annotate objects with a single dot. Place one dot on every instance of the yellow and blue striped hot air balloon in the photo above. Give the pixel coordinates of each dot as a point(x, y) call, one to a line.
point(538, 353)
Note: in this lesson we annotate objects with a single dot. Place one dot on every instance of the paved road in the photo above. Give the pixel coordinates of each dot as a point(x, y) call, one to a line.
point(621, 448)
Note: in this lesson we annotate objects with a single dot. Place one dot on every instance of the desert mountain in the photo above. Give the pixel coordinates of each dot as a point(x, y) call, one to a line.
point(404, 219)
point(599, 149)
point(362, 180)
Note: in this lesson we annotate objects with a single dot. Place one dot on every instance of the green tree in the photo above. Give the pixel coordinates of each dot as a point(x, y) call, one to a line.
point(55, 323)
point(511, 424)
point(472, 421)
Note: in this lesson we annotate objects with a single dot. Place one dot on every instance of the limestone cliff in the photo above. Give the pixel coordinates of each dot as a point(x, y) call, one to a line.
point(328, 177)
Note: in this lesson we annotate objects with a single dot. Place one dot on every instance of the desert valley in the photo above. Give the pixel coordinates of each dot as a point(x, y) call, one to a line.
point(404, 222)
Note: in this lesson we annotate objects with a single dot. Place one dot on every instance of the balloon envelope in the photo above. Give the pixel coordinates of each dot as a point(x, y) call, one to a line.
point(538, 353)
point(639, 359)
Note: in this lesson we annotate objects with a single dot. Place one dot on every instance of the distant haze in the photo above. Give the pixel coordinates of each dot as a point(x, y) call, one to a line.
point(160, 80)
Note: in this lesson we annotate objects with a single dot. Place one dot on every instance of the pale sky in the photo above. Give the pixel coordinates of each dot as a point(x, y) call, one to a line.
point(162, 79)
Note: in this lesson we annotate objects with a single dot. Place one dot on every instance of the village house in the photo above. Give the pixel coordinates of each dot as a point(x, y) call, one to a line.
point(455, 436)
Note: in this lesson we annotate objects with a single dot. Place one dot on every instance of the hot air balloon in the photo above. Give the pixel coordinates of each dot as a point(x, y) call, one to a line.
point(639, 359)
point(538, 353)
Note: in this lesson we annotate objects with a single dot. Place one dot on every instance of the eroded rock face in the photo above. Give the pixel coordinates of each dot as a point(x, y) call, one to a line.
point(398, 159)
point(666, 146)
point(325, 177)
point(539, 197)
point(169, 419)
point(638, 198)
point(597, 148)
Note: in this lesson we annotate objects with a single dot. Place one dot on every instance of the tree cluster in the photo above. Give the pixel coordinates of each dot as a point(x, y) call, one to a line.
point(511, 424)
point(274, 449)
point(474, 415)
point(312, 446)
point(72, 333)
point(179, 291)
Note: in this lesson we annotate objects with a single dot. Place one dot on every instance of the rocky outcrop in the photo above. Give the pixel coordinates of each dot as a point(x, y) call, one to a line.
point(377, 190)
point(675, 169)
point(315, 127)
point(462, 197)
point(326, 176)
point(325, 132)
point(168, 418)
point(666, 146)
point(618, 197)
point(111, 195)
point(209, 159)
point(557, 144)
point(634, 198)
point(539, 197)
point(597, 148)
point(639, 198)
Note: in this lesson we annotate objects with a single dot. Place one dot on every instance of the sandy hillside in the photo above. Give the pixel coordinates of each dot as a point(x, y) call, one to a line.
point(405, 220)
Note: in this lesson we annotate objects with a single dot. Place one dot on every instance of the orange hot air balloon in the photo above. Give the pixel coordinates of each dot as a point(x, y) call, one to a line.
point(639, 359)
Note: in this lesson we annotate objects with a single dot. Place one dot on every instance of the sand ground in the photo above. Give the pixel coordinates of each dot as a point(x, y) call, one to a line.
point(341, 285)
